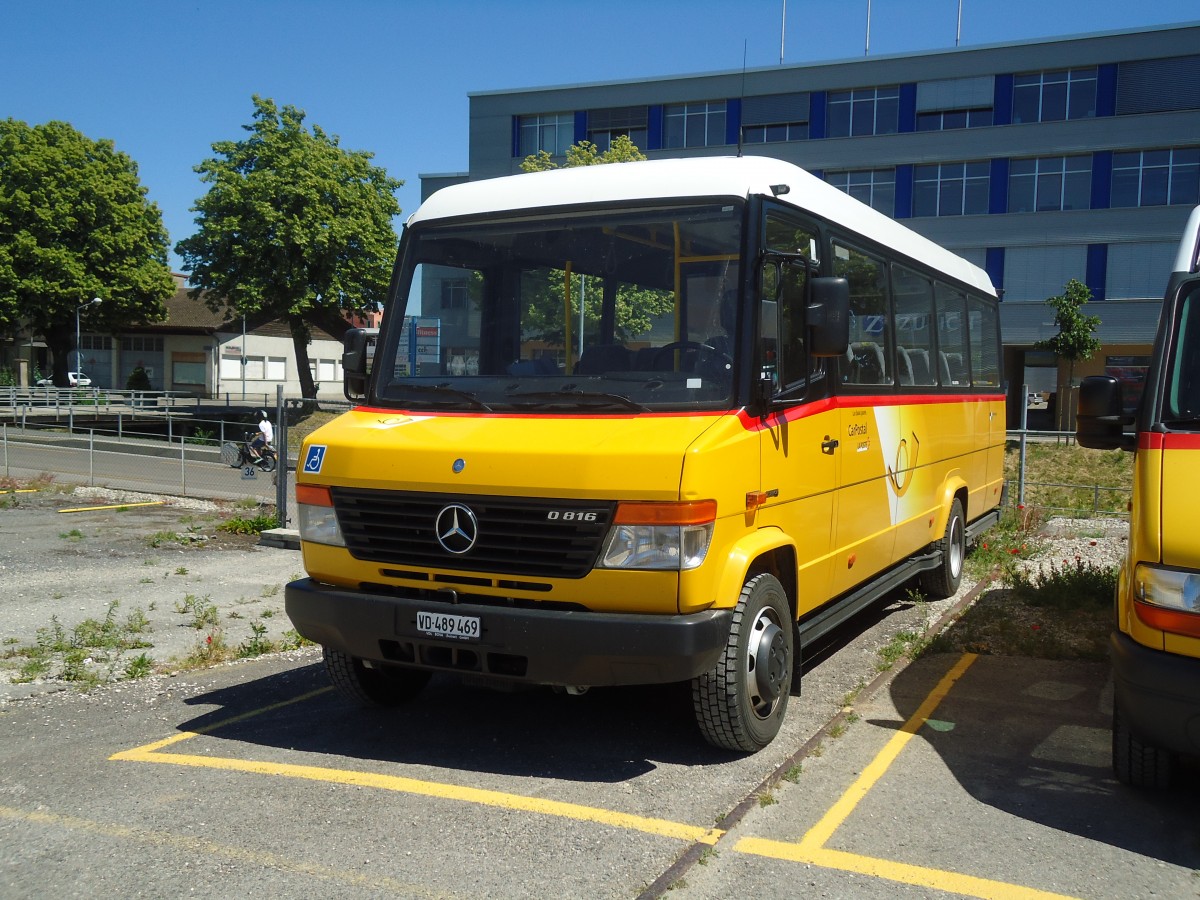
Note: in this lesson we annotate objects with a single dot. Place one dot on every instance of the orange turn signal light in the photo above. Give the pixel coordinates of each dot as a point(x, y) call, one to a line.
point(696, 512)
point(314, 495)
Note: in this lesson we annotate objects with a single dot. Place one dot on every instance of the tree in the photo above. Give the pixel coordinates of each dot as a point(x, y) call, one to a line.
point(585, 153)
point(1075, 339)
point(635, 309)
point(75, 224)
point(293, 226)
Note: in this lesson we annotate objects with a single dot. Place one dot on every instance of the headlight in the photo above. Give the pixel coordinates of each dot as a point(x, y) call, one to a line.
point(1169, 599)
point(318, 521)
point(1169, 588)
point(659, 536)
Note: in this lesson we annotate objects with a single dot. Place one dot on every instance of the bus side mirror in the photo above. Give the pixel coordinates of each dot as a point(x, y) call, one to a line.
point(1100, 424)
point(829, 316)
point(359, 353)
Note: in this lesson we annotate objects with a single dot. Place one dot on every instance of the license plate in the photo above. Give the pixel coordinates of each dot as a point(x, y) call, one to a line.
point(448, 625)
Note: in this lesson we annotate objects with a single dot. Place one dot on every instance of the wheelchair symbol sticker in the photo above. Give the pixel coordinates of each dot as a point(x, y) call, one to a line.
point(315, 459)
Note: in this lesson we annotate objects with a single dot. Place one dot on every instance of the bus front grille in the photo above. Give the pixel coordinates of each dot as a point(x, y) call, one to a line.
point(501, 535)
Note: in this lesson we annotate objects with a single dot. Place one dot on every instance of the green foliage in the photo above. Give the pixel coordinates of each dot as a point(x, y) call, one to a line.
point(258, 644)
point(90, 653)
point(202, 610)
point(292, 227)
point(1069, 585)
point(7, 377)
point(1075, 339)
point(138, 380)
point(252, 525)
point(76, 224)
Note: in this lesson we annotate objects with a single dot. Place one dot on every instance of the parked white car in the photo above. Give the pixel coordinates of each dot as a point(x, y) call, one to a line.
point(74, 379)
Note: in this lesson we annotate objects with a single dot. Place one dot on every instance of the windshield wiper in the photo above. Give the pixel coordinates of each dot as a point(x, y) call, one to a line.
point(446, 391)
point(575, 398)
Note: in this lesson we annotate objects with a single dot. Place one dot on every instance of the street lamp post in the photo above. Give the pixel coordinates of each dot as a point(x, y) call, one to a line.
point(78, 352)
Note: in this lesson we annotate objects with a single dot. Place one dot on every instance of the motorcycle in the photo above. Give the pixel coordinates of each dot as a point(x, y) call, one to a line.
point(239, 455)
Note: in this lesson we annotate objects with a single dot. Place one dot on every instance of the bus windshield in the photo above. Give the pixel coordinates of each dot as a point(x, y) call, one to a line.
point(597, 311)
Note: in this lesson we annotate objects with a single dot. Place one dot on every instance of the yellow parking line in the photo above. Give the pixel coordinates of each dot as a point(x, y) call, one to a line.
point(151, 753)
point(112, 506)
point(811, 848)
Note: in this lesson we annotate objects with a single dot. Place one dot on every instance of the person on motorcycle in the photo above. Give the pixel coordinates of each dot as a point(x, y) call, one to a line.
point(265, 436)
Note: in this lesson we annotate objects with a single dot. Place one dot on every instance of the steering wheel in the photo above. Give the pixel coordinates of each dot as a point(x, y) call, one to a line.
point(661, 359)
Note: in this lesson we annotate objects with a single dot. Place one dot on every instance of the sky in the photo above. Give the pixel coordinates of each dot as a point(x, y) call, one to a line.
point(165, 79)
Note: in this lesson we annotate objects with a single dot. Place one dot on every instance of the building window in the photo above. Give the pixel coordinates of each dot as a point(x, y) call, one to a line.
point(95, 342)
point(552, 132)
point(874, 187)
point(772, 118)
point(141, 344)
point(604, 125)
point(951, 189)
point(694, 124)
point(1049, 183)
point(1156, 177)
point(945, 120)
point(454, 293)
point(863, 111)
point(1054, 96)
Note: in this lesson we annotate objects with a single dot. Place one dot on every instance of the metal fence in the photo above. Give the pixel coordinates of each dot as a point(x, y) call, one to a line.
point(1086, 499)
point(154, 452)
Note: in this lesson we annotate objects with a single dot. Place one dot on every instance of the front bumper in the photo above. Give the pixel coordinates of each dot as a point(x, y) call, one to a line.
point(517, 644)
point(1158, 694)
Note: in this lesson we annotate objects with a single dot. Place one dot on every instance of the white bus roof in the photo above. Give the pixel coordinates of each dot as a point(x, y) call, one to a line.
point(689, 179)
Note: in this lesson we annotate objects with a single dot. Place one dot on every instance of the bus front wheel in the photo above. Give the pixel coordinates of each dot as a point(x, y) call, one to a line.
point(943, 581)
point(388, 686)
point(740, 703)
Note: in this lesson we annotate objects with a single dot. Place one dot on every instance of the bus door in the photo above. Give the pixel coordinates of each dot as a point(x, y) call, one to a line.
point(864, 537)
point(798, 442)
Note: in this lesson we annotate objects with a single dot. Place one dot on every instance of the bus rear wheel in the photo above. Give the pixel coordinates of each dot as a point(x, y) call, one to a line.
point(943, 581)
point(740, 703)
point(383, 686)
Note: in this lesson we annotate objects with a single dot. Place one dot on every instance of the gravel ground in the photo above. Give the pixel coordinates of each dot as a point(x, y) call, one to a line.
point(163, 575)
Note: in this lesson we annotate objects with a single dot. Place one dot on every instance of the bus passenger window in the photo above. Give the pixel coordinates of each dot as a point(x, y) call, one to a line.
point(868, 360)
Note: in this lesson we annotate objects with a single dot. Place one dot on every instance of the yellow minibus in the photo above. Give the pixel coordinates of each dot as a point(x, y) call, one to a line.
point(1155, 642)
point(662, 421)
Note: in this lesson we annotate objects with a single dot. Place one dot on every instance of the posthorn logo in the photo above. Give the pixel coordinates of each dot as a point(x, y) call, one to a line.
point(456, 528)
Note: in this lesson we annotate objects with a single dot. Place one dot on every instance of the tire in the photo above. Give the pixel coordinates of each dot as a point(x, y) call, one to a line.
point(741, 702)
point(1135, 762)
point(267, 463)
point(943, 581)
point(383, 686)
point(231, 455)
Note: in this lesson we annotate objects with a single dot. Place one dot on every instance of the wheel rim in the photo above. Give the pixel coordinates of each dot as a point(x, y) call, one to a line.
point(767, 663)
point(956, 549)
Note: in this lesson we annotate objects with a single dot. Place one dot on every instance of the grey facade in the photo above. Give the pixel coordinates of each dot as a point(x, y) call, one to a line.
point(1073, 157)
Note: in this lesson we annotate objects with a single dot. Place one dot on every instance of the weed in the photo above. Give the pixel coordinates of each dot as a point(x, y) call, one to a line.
point(234, 614)
point(88, 654)
point(181, 570)
point(766, 798)
point(145, 579)
point(270, 590)
point(837, 729)
point(293, 640)
point(267, 613)
point(208, 651)
point(1082, 584)
point(202, 610)
point(792, 775)
point(255, 525)
point(258, 644)
point(73, 535)
point(139, 667)
point(707, 854)
point(1013, 538)
point(903, 644)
